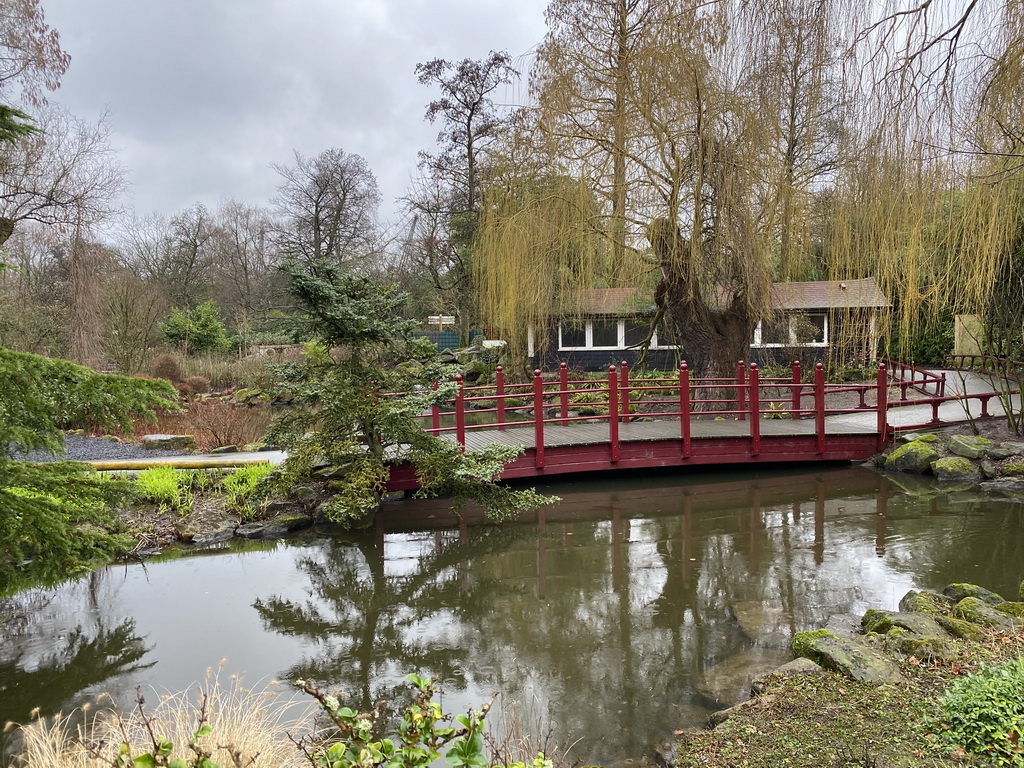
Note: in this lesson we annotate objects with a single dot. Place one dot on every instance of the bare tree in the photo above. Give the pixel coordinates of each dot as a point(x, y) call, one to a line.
point(66, 174)
point(31, 56)
point(328, 205)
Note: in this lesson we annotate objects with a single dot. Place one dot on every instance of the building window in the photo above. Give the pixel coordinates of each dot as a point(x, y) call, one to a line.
point(794, 329)
point(607, 333)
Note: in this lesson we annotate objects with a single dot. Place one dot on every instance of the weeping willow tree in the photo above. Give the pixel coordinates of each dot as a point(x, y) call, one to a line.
point(932, 205)
point(700, 146)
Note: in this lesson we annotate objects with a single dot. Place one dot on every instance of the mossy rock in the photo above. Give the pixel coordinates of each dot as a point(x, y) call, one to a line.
point(916, 457)
point(979, 612)
point(802, 641)
point(1014, 469)
point(1011, 609)
point(925, 437)
point(956, 469)
point(853, 658)
point(920, 646)
point(964, 630)
point(882, 622)
point(969, 446)
point(924, 601)
point(957, 592)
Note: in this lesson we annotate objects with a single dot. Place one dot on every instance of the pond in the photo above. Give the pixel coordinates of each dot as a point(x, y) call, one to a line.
point(631, 608)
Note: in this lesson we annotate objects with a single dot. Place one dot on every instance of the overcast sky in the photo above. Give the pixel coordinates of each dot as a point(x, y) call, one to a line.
point(204, 95)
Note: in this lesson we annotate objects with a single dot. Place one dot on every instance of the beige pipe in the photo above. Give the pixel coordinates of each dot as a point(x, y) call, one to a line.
point(178, 462)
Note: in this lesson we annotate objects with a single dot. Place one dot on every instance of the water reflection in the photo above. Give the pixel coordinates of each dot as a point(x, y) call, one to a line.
point(627, 610)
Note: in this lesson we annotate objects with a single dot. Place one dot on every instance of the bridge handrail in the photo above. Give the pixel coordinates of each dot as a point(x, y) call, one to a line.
point(920, 379)
point(746, 397)
point(979, 362)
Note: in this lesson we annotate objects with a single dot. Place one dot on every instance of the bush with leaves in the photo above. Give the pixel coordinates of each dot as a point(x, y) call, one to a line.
point(54, 517)
point(343, 413)
point(983, 714)
point(196, 330)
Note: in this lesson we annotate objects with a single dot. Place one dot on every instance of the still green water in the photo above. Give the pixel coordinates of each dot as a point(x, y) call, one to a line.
point(612, 616)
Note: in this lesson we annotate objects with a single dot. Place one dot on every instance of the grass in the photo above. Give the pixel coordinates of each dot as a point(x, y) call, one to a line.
point(829, 721)
point(253, 725)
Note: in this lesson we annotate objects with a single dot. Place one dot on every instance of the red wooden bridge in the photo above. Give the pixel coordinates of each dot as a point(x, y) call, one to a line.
point(570, 426)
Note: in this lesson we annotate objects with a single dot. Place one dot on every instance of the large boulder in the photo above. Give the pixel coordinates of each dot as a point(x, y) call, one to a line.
point(798, 667)
point(979, 612)
point(957, 592)
point(168, 442)
point(848, 656)
point(956, 470)
point(881, 622)
point(925, 602)
point(1006, 450)
point(969, 446)
point(916, 456)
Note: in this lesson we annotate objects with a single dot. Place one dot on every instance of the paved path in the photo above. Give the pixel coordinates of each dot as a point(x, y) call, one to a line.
point(957, 382)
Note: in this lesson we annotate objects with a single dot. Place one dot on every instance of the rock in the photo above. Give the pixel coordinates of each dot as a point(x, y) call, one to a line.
point(1007, 486)
point(729, 681)
point(843, 624)
point(979, 612)
point(207, 525)
point(925, 602)
point(988, 469)
point(795, 668)
point(956, 469)
point(924, 437)
point(957, 592)
point(916, 456)
point(968, 446)
point(168, 442)
point(920, 646)
point(1014, 469)
point(882, 621)
point(960, 628)
point(850, 657)
point(767, 625)
point(1011, 609)
point(1006, 450)
point(225, 449)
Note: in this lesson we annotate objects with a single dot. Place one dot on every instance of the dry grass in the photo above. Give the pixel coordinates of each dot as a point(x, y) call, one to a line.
point(518, 733)
point(213, 423)
point(248, 728)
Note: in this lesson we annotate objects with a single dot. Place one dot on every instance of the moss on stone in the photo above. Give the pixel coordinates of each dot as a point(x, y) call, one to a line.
point(919, 646)
point(875, 620)
point(1011, 609)
point(803, 641)
point(959, 590)
point(960, 628)
point(1014, 469)
point(979, 612)
point(931, 603)
point(916, 456)
point(954, 468)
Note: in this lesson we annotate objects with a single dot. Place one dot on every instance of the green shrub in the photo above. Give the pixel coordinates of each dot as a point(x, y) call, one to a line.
point(196, 330)
point(983, 714)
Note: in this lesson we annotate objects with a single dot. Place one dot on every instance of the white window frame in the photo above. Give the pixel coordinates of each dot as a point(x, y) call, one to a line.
point(792, 317)
point(588, 327)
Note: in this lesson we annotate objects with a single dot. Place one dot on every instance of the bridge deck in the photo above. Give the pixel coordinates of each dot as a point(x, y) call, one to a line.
point(580, 434)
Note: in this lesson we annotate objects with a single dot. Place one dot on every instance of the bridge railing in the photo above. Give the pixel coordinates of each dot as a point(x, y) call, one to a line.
point(909, 376)
point(616, 399)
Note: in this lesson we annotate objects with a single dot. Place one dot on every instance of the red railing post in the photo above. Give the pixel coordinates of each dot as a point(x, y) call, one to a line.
point(435, 415)
point(755, 411)
point(797, 381)
point(538, 418)
point(819, 406)
point(740, 394)
point(613, 412)
point(624, 391)
point(882, 404)
point(563, 392)
point(499, 395)
point(684, 407)
point(460, 412)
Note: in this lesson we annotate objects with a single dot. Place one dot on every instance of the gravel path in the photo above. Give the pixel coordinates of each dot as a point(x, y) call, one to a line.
point(99, 449)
